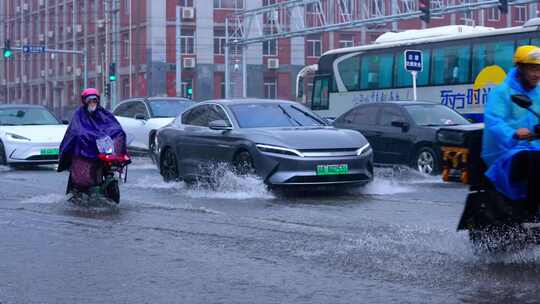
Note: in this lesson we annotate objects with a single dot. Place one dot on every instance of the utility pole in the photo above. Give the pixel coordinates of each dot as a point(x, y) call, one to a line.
point(130, 52)
point(227, 60)
point(115, 57)
point(107, 56)
point(179, 89)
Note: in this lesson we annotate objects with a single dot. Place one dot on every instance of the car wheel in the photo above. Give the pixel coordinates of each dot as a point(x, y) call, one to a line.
point(169, 166)
point(152, 147)
point(426, 161)
point(243, 163)
point(3, 159)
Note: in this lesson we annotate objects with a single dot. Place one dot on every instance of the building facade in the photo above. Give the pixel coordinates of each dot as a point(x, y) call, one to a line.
point(140, 37)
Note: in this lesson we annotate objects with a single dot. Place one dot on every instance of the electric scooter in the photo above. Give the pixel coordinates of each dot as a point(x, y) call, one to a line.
point(493, 221)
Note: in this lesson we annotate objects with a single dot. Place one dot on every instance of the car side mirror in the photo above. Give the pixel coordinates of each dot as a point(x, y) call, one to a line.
point(219, 125)
point(401, 124)
point(522, 100)
point(140, 117)
point(65, 122)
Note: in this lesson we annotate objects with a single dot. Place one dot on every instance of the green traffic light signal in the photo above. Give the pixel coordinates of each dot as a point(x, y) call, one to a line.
point(112, 77)
point(190, 91)
point(8, 53)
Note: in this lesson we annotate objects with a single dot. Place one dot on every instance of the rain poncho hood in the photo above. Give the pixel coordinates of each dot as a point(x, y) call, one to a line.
point(83, 131)
point(502, 118)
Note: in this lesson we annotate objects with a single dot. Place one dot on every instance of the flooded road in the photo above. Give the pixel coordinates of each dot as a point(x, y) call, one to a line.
point(393, 241)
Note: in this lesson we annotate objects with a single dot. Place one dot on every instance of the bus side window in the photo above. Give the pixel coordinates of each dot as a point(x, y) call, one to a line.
point(374, 71)
point(492, 53)
point(349, 70)
point(451, 65)
point(320, 93)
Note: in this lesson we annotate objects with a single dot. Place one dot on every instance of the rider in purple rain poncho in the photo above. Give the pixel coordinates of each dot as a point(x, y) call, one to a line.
point(78, 150)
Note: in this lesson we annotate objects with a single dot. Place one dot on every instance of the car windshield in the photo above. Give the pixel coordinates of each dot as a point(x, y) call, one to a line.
point(168, 108)
point(435, 115)
point(273, 115)
point(26, 117)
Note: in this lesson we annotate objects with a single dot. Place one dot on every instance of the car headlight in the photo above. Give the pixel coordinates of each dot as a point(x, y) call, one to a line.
point(14, 136)
point(364, 150)
point(279, 150)
point(451, 138)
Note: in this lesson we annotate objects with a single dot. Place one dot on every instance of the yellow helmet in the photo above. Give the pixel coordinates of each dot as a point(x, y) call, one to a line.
point(528, 54)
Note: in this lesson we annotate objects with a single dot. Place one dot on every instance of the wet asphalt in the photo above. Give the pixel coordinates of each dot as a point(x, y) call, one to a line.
point(392, 241)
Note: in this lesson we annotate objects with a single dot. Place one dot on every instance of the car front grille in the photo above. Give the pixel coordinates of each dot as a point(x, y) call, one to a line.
point(330, 152)
point(314, 179)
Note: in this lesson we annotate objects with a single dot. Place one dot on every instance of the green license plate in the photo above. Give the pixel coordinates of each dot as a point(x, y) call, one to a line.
point(50, 151)
point(332, 169)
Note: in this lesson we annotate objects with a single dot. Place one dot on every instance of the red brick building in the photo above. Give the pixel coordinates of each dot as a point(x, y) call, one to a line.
point(146, 44)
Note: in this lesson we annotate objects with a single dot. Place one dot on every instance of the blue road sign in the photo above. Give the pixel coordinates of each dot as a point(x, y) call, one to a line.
point(33, 49)
point(413, 60)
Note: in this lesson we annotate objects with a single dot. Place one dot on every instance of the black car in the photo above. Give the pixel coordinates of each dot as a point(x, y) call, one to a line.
point(282, 142)
point(403, 132)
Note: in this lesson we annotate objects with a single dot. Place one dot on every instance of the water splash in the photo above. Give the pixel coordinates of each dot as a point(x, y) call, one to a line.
point(141, 163)
point(51, 198)
point(221, 184)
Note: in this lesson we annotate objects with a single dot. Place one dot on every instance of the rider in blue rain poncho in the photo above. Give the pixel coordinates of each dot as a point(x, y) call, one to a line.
point(509, 149)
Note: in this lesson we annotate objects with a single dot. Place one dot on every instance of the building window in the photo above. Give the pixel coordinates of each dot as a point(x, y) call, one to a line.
point(494, 14)
point(376, 7)
point(346, 40)
point(219, 42)
point(314, 47)
point(520, 13)
point(125, 46)
point(187, 43)
point(269, 2)
point(231, 85)
point(125, 87)
point(229, 4)
point(188, 3)
point(270, 88)
point(270, 47)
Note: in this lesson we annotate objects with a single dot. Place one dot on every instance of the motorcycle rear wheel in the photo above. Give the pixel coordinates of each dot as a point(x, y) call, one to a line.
point(112, 191)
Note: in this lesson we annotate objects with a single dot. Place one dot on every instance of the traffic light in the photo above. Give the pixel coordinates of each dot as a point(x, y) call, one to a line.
point(424, 6)
point(8, 52)
point(503, 6)
point(107, 89)
point(190, 92)
point(112, 71)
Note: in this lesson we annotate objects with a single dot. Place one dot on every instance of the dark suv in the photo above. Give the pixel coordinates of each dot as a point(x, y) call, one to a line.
point(403, 132)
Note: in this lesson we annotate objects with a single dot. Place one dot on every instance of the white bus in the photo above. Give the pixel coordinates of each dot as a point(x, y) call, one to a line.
point(461, 65)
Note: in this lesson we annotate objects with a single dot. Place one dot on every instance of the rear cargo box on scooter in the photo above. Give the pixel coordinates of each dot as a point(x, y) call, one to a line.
point(461, 148)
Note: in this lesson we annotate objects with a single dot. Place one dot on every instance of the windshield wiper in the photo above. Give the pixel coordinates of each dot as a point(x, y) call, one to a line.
point(309, 115)
point(289, 116)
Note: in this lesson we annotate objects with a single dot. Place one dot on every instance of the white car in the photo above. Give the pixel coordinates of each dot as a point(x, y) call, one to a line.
point(29, 135)
point(142, 117)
